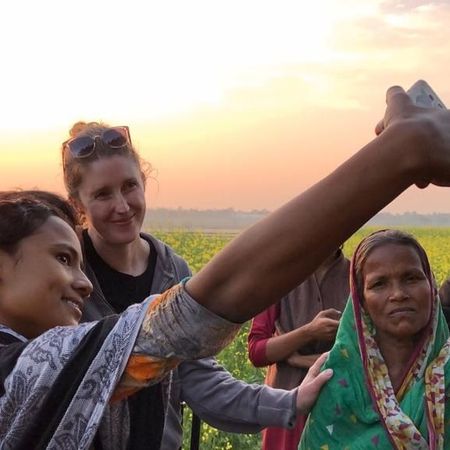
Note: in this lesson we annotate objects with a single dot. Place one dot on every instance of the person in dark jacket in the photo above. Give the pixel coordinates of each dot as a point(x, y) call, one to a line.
point(126, 265)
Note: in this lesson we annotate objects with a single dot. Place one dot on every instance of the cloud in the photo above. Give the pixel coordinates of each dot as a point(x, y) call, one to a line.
point(391, 27)
point(396, 36)
point(392, 6)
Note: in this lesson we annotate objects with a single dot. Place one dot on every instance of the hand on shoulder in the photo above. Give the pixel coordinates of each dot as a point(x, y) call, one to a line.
point(309, 389)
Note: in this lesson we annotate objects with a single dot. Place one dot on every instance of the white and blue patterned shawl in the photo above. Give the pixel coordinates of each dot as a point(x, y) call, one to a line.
point(58, 389)
point(36, 372)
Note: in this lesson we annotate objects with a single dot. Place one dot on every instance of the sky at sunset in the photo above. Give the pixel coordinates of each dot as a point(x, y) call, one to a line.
point(235, 103)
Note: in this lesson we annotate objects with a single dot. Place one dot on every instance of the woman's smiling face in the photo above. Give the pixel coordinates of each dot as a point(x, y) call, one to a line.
point(111, 196)
point(397, 292)
point(41, 283)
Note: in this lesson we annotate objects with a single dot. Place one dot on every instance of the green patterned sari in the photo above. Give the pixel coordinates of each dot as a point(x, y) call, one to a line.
point(358, 408)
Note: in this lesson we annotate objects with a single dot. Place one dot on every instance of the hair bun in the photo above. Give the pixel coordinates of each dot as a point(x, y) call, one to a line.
point(81, 127)
point(77, 128)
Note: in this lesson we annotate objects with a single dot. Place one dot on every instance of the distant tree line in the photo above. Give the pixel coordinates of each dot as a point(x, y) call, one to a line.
point(411, 219)
point(234, 220)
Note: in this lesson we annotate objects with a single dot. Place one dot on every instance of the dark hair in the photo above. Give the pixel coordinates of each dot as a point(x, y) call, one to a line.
point(72, 167)
point(23, 212)
point(378, 239)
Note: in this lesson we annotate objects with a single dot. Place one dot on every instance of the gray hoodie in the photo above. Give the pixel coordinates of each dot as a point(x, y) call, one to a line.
point(210, 391)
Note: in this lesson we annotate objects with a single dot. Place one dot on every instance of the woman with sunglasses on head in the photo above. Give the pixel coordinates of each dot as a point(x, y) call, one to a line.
point(105, 180)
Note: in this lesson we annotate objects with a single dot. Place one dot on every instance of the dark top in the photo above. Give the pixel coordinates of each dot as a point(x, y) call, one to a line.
point(121, 290)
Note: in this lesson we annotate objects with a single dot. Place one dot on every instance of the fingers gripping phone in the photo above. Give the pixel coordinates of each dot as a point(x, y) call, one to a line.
point(423, 95)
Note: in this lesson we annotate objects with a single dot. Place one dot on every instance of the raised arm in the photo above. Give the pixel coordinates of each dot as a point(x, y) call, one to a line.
point(251, 273)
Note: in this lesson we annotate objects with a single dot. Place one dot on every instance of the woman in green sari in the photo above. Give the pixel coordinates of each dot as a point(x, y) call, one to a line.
point(391, 356)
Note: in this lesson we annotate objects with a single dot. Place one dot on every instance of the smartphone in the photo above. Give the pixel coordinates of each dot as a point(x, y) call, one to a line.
point(423, 95)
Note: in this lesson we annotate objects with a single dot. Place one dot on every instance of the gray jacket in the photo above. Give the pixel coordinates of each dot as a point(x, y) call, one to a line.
point(209, 390)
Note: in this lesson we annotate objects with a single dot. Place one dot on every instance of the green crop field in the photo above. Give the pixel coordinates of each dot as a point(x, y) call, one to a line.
point(198, 249)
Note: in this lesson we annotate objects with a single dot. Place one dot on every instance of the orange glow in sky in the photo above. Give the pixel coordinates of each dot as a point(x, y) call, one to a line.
point(235, 103)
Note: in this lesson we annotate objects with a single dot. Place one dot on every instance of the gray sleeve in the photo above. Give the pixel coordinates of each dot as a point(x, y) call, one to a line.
point(182, 268)
point(232, 405)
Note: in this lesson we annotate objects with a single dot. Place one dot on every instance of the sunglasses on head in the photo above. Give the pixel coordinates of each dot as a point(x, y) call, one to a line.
point(84, 146)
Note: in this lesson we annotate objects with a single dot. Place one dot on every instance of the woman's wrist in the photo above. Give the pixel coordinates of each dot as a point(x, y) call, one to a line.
point(305, 335)
point(417, 146)
point(406, 147)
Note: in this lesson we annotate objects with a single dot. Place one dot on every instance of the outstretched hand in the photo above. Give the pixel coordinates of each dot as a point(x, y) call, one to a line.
point(399, 106)
point(431, 130)
point(309, 389)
